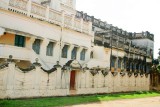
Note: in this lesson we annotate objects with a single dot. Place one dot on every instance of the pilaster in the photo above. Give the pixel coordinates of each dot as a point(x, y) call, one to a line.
point(58, 77)
point(81, 27)
point(47, 13)
point(70, 51)
point(11, 79)
point(29, 7)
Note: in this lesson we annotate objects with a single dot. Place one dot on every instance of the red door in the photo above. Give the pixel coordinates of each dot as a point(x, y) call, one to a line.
point(72, 80)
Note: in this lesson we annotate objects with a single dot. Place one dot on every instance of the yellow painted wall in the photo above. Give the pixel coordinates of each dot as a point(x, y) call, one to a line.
point(112, 69)
point(119, 70)
point(7, 39)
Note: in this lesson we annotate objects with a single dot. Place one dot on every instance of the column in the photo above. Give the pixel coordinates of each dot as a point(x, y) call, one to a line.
point(29, 7)
point(30, 42)
point(10, 80)
point(62, 23)
point(90, 28)
point(73, 17)
point(81, 25)
point(70, 51)
point(59, 77)
point(47, 13)
point(43, 47)
point(79, 52)
point(4, 4)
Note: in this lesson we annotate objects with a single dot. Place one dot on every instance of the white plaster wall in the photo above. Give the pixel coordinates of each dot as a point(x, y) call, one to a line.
point(144, 43)
point(46, 32)
point(37, 83)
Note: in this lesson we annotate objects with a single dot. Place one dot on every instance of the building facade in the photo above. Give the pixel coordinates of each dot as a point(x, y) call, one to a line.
point(47, 48)
point(122, 50)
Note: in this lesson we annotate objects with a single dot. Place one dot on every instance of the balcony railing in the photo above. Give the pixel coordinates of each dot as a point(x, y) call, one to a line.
point(34, 10)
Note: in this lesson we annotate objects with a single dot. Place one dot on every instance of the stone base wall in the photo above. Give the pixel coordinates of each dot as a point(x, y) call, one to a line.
point(16, 83)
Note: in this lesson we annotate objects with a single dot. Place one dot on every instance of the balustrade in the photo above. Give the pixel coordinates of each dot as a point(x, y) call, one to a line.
point(38, 9)
point(20, 4)
point(55, 16)
point(85, 27)
point(35, 10)
point(77, 24)
point(68, 21)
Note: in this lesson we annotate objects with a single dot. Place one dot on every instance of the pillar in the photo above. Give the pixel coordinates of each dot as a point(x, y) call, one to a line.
point(58, 78)
point(47, 13)
point(10, 80)
point(81, 27)
point(29, 7)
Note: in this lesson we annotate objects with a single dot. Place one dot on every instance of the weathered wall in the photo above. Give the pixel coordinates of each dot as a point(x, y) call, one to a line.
point(15, 83)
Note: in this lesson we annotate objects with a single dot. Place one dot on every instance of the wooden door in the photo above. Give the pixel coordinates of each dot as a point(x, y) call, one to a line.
point(72, 80)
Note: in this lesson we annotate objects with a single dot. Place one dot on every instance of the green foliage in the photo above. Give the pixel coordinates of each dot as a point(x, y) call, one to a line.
point(158, 68)
point(65, 101)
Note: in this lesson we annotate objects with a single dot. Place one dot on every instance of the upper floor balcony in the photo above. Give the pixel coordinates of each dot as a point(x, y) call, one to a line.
point(44, 13)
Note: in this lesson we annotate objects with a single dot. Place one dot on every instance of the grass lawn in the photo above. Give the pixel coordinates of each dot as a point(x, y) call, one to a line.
point(64, 101)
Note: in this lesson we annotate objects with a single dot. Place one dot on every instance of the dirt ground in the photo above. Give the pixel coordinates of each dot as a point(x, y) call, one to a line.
point(142, 102)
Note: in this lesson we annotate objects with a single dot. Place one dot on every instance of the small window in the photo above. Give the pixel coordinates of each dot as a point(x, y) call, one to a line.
point(74, 53)
point(36, 46)
point(82, 56)
point(113, 63)
point(49, 51)
point(119, 63)
point(64, 51)
point(19, 41)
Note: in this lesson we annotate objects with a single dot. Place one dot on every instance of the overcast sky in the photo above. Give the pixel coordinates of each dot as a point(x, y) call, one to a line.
point(130, 15)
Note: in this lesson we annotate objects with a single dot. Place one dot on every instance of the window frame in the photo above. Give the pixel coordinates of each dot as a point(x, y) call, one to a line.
point(83, 55)
point(64, 53)
point(49, 49)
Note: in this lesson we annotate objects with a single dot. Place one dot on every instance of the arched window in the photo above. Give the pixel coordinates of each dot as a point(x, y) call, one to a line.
point(74, 53)
point(65, 51)
point(49, 51)
point(36, 46)
point(82, 56)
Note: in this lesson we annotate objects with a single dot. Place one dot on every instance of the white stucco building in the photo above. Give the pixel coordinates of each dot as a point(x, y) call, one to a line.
point(47, 49)
point(50, 33)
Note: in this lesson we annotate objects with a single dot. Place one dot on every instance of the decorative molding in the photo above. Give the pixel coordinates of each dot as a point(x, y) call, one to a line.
point(114, 73)
point(49, 71)
point(129, 74)
point(122, 73)
point(4, 65)
point(104, 72)
point(25, 70)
